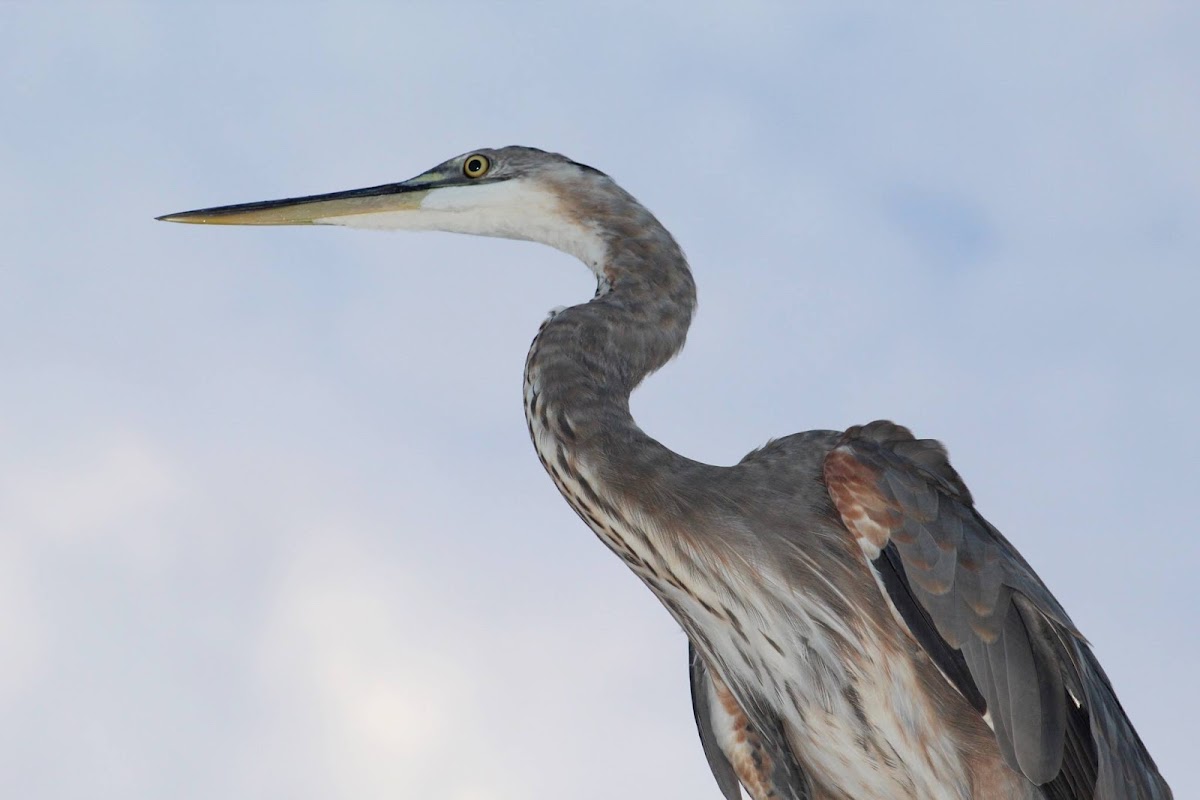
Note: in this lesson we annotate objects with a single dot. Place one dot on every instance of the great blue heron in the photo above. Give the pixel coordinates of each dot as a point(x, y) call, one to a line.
point(856, 628)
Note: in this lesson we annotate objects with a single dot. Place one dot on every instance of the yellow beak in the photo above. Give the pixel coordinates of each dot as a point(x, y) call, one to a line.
point(315, 209)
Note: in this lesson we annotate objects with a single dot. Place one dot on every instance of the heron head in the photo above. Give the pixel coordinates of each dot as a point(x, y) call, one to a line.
point(511, 192)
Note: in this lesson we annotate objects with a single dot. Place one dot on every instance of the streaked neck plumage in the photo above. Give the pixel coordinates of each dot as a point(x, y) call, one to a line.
point(587, 359)
point(582, 367)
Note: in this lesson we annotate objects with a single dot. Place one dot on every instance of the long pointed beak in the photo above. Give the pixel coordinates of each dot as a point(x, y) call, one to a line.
point(315, 209)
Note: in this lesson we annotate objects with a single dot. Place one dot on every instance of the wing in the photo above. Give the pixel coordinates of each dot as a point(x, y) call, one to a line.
point(986, 619)
point(703, 700)
point(736, 749)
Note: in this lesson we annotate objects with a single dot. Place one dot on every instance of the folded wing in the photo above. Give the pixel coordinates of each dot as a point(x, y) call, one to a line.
point(745, 747)
point(986, 619)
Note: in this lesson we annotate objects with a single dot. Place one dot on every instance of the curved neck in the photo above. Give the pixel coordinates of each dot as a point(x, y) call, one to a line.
point(587, 359)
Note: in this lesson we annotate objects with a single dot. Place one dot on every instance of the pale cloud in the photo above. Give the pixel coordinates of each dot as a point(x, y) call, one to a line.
point(107, 494)
point(108, 489)
point(349, 665)
point(22, 622)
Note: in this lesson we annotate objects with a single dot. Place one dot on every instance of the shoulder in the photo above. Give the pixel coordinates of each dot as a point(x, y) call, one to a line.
point(789, 468)
point(799, 449)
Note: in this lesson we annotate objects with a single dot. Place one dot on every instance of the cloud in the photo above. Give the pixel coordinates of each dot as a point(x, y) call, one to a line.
point(21, 621)
point(349, 666)
point(101, 493)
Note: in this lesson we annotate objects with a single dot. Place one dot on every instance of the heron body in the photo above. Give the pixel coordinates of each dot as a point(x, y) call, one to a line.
point(856, 628)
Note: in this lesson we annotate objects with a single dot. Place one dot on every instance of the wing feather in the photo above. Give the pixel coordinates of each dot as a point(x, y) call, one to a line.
point(702, 709)
point(986, 619)
point(744, 745)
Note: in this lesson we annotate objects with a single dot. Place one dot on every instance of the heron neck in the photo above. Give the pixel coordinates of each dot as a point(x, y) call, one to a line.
point(588, 359)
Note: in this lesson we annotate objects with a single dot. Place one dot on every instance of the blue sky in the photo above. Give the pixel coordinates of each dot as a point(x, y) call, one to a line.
point(270, 524)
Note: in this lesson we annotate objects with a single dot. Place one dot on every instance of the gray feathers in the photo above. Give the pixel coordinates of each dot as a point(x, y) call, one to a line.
point(705, 538)
point(1022, 653)
point(753, 738)
point(702, 700)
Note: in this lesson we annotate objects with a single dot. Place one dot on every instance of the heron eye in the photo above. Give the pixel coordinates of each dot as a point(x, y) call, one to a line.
point(476, 166)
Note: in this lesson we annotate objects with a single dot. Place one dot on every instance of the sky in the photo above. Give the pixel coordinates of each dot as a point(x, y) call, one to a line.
point(270, 522)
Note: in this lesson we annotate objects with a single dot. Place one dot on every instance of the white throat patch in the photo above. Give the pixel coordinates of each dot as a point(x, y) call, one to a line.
point(512, 209)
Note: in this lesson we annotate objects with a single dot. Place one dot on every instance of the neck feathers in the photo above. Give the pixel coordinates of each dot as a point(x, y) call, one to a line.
point(586, 360)
point(640, 315)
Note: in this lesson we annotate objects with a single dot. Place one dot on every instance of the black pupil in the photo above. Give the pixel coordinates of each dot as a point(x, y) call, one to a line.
point(475, 165)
